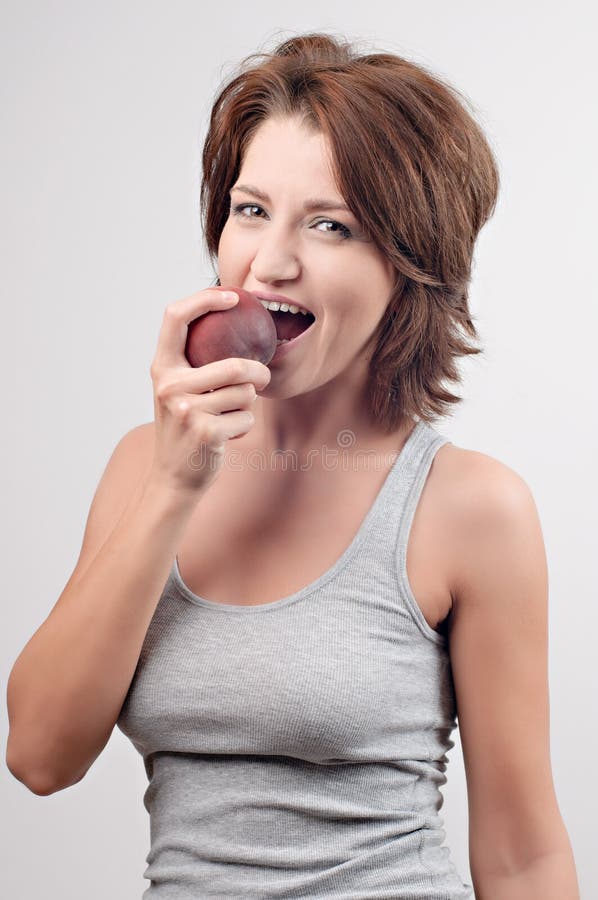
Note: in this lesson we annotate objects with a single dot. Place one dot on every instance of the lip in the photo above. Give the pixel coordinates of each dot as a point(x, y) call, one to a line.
point(280, 298)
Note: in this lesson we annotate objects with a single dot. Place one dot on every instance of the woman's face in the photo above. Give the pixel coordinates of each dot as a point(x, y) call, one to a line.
point(318, 257)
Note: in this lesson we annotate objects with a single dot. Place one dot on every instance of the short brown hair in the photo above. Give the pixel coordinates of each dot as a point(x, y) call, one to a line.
point(415, 169)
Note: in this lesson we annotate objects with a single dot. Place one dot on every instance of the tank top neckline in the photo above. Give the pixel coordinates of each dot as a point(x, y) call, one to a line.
point(401, 459)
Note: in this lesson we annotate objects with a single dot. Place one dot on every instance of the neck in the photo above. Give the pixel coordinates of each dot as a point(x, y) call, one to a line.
point(320, 426)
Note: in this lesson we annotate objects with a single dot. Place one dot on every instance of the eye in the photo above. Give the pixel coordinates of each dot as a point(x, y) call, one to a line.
point(238, 210)
point(343, 232)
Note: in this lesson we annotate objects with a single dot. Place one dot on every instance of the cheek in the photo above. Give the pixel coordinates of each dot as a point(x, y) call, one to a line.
point(375, 297)
point(223, 242)
point(233, 248)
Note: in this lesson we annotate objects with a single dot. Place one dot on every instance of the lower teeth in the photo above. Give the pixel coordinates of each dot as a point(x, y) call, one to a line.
point(283, 341)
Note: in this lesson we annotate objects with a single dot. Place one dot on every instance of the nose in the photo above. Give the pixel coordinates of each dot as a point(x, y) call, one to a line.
point(275, 258)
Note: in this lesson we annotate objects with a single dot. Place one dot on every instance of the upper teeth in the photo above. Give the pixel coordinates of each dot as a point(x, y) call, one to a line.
point(283, 307)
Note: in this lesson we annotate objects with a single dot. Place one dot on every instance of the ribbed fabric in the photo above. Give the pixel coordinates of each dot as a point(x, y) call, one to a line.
point(296, 748)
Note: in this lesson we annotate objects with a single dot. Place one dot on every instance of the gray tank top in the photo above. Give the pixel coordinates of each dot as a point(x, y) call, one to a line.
point(297, 748)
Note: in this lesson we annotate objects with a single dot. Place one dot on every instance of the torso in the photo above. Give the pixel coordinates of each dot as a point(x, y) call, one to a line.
point(258, 536)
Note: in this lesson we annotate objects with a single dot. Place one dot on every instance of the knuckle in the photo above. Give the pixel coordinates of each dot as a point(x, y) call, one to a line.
point(241, 369)
point(163, 390)
point(210, 435)
point(170, 310)
point(235, 369)
point(182, 409)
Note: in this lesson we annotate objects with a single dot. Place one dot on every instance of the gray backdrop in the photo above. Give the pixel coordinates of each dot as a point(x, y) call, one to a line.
point(104, 108)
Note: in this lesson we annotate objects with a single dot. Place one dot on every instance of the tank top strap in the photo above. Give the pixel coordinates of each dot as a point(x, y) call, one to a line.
point(390, 526)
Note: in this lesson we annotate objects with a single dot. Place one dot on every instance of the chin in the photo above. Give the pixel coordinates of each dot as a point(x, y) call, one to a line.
point(275, 391)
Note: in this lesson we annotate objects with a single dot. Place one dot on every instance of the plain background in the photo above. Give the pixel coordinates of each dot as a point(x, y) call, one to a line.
point(104, 108)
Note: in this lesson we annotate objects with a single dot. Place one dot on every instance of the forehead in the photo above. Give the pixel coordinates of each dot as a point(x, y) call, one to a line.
point(282, 149)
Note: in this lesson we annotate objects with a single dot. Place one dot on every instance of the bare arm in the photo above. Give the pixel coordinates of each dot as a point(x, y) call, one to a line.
point(68, 685)
point(551, 877)
point(518, 842)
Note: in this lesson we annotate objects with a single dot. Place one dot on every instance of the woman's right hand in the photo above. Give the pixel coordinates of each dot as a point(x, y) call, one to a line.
point(196, 410)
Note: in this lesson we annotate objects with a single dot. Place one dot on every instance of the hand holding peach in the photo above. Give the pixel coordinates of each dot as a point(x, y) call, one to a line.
point(197, 409)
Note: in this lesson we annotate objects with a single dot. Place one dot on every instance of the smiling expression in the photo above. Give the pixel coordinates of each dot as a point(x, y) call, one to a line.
point(290, 232)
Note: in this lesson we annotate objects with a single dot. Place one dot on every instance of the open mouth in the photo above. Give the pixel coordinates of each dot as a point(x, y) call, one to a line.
point(290, 321)
point(290, 325)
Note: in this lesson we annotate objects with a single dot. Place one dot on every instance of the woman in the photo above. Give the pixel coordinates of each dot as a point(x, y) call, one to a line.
point(288, 643)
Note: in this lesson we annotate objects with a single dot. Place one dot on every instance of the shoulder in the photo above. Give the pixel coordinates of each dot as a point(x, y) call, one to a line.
point(142, 435)
point(138, 443)
point(488, 508)
point(134, 451)
point(122, 478)
point(130, 461)
point(480, 484)
point(145, 431)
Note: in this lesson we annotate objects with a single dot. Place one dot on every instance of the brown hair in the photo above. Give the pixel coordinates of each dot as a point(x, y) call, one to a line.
point(415, 169)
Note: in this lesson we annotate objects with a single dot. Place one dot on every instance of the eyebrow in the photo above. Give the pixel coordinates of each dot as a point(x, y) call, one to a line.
point(309, 205)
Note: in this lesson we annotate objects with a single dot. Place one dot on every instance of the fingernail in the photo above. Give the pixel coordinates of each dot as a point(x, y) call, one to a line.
point(229, 297)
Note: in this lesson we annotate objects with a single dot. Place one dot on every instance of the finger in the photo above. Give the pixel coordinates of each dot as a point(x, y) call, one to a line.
point(227, 399)
point(213, 376)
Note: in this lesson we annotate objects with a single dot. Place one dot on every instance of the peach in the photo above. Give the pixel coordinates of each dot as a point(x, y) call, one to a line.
point(245, 330)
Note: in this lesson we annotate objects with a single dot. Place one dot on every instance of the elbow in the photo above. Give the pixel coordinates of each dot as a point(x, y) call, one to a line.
point(39, 783)
point(39, 786)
